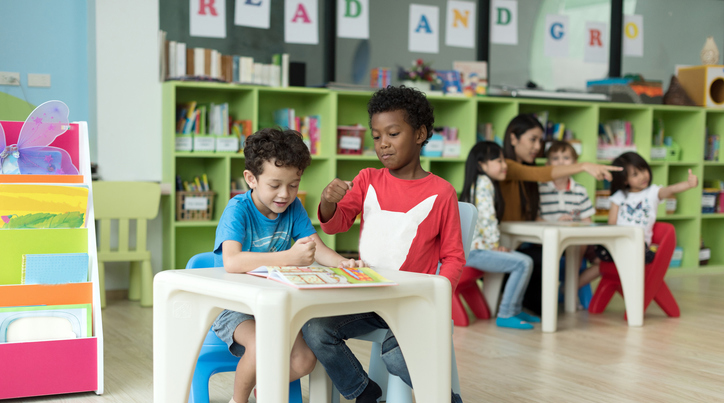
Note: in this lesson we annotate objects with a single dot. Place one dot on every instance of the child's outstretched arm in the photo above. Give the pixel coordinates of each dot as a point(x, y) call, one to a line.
point(327, 257)
point(671, 190)
point(612, 214)
point(302, 253)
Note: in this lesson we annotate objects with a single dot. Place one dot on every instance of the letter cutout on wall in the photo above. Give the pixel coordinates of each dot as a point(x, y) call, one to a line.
point(633, 35)
point(424, 29)
point(353, 19)
point(556, 36)
point(460, 25)
point(596, 42)
point(207, 18)
point(504, 22)
point(301, 22)
point(252, 13)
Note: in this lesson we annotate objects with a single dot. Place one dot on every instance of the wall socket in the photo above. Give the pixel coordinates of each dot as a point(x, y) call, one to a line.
point(7, 78)
point(38, 80)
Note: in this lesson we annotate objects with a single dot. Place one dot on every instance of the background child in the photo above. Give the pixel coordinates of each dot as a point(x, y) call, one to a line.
point(521, 144)
point(410, 221)
point(564, 199)
point(256, 229)
point(634, 199)
point(486, 166)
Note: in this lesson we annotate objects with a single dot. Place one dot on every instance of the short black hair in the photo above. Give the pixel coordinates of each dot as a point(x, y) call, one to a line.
point(628, 161)
point(284, 148)
point(418, 111)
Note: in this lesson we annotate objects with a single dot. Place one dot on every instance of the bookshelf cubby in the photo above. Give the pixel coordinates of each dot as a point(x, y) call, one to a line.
point(686, 126)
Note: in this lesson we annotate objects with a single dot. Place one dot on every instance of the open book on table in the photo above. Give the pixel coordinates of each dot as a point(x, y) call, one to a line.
point(322, 277)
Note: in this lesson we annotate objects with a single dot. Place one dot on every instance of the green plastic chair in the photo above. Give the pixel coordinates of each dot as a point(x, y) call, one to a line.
point(125, 201)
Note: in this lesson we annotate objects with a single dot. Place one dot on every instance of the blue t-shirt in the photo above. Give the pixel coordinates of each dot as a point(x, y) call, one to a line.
point(242, 222)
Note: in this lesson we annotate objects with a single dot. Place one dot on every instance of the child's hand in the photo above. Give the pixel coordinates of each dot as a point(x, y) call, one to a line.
point(349, 263)
point(502, 249)
point(600, 172)
point(693, 181)
point(303, 252)
point(566, 217)
point(335, 191)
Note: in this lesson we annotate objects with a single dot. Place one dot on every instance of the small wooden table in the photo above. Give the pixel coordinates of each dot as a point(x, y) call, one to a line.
point(186, 302)
point(626, 245)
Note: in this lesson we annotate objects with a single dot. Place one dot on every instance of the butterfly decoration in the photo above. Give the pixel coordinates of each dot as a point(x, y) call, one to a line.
point(32, 153)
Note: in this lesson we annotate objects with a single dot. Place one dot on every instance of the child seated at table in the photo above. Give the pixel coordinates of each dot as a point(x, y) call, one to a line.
point(564, 199)
point(634, 200)
point(484, 168)
point(410, 222)
point(257, 229)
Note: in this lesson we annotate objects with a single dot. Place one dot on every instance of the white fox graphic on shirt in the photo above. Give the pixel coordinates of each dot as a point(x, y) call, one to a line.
point(388, 235)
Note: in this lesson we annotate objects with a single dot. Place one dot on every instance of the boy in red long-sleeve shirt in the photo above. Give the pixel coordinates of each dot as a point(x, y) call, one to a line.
point(410, 221)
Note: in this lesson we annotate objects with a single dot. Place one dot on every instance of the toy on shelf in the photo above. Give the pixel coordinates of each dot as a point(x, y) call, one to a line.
point(350, 139)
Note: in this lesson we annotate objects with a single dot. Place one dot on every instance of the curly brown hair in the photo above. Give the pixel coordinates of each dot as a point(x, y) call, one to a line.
point(418, 111)
point(282, 148)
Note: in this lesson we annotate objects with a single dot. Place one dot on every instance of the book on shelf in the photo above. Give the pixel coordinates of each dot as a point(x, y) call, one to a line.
point(311, 277)
point(473, 76)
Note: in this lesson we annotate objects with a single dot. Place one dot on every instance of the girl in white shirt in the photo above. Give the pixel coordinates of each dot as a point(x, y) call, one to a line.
point(634, 199)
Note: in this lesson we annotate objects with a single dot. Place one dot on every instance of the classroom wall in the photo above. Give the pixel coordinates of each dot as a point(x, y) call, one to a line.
point(46, 37)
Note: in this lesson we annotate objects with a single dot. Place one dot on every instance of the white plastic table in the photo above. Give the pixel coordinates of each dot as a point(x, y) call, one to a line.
point(626, 245)
point(186, 302)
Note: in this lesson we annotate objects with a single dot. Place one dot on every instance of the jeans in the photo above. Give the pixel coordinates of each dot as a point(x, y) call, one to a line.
point(518, 265)
point(326, 336)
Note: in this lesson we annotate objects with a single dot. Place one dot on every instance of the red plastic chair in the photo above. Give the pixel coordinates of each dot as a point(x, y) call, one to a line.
point(654, 286)
point(469, 289)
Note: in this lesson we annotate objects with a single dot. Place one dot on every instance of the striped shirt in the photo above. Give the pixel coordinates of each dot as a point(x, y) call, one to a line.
point(573, 201)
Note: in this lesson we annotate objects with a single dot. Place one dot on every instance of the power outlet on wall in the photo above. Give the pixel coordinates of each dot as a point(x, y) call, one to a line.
point(7, 78)
point(38, 80)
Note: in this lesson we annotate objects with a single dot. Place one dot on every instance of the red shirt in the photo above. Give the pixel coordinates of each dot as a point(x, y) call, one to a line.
point(409, 225)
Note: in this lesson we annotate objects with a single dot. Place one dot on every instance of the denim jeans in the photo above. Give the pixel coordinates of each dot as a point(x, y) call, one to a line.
point(520, 267)
point(326, 336)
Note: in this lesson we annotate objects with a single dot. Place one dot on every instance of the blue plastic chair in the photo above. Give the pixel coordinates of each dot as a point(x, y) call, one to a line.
point(394, 390)
point(215, 357)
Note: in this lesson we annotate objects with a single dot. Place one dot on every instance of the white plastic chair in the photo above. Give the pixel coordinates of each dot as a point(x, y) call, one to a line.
point(394, 390)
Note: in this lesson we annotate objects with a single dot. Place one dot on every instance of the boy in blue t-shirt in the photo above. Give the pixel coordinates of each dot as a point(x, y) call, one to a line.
point(256, 229)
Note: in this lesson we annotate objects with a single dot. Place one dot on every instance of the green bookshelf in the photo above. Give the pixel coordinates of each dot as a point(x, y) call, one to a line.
point(686, 125)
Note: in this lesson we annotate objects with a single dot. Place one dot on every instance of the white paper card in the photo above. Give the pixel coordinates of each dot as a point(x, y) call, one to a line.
point(204, 143)
point(353, 19)
point(227, 144)
point(556, 36)
point(460, 25)
point(184, 143)
point(252, 13)
point(596, 42)
point(633, 35)
point(423, 33)
point(350, 143)
point(301, 22)
point(504, 22)
point(196, 203)
point(208, 18)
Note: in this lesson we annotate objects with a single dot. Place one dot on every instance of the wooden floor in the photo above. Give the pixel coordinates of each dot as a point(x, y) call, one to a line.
point(592, 358)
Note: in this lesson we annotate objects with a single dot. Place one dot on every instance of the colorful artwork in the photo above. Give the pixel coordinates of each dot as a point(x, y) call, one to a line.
point(42, 206)
point(32, 154)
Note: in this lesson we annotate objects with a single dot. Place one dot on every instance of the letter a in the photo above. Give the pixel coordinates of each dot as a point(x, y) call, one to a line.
point(596, 38)
point(423, 25)
point(301, 13)
point(210, 5)
point(463, 20)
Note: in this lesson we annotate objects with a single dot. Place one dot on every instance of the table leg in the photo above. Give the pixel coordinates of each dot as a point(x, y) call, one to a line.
point(426, 344)
point(573, 257)
point(273, 346)
point(320, 386)
point(492, 283)
point(177, 320)
point(551, 262)
point(628, 254)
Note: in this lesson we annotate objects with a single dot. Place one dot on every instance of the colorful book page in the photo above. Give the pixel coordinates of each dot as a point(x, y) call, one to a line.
point(43, 206)
point(41, 178)
point(14, 243)
point(55, 322)
point(44, 294)
point(69, 141)
point(55, 268)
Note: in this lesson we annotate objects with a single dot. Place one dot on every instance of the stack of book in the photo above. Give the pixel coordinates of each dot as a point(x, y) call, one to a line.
point(615, 137)
point(711, 148)
point(179, 62)
point(308, 126)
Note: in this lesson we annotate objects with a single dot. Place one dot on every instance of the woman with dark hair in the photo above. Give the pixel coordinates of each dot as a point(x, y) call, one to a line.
point(521, 144)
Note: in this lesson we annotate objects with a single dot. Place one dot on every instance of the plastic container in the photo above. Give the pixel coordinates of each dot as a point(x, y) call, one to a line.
point(721, 202)
point(708, 200)
point(350, 139)
point(676, 257)
point(603, 204)
point(671, 205)
point(194, 206)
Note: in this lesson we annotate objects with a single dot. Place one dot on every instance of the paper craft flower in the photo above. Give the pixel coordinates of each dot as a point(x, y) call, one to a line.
point(420, 71)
